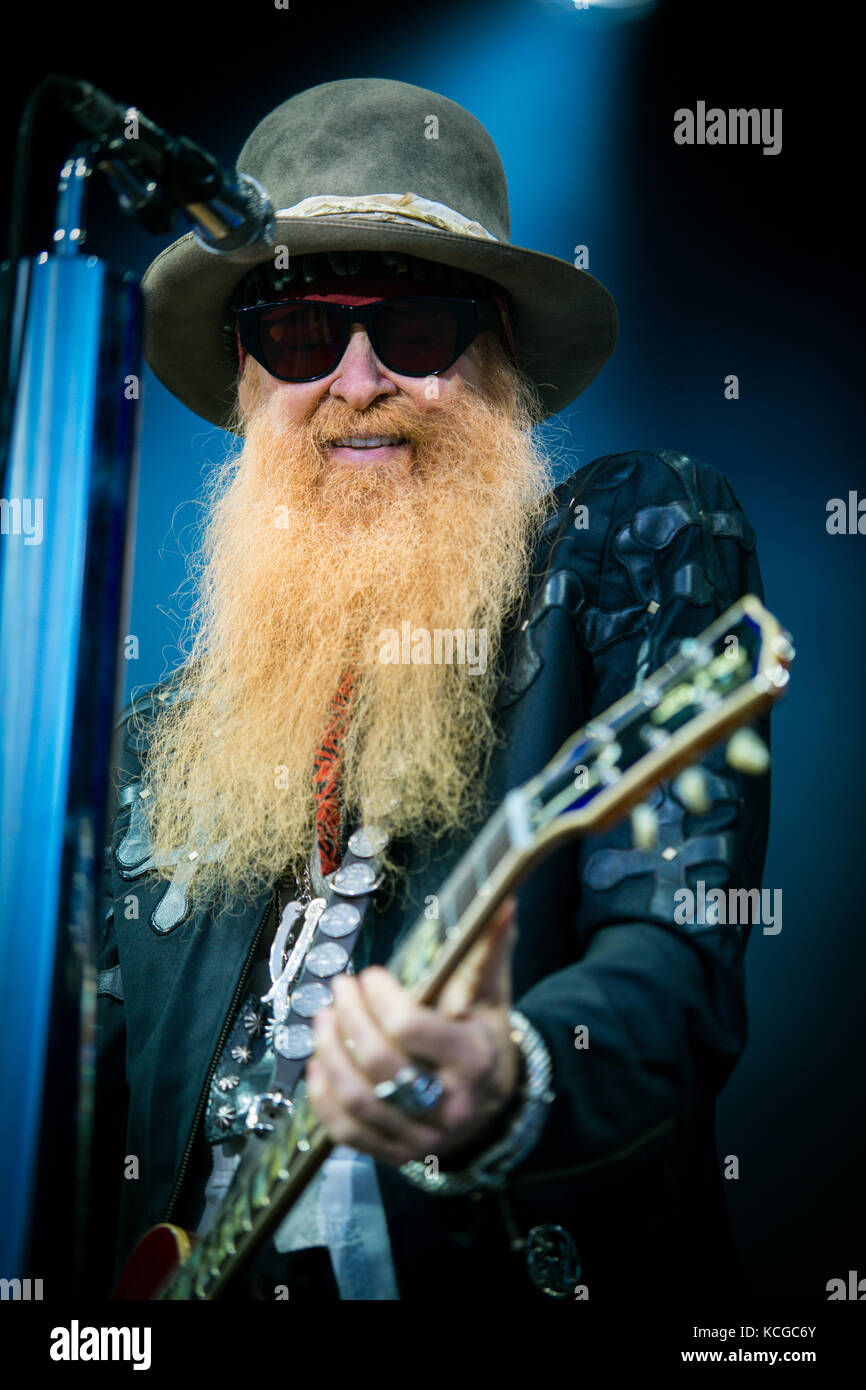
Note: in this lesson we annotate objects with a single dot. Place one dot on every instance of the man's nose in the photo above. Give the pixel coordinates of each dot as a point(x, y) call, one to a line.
point(360, 375)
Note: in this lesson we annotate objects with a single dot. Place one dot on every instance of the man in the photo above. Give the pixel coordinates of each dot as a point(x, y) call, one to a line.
point(546, 1128)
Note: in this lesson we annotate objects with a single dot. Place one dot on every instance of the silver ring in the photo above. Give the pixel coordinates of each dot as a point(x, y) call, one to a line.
point(412, 1092)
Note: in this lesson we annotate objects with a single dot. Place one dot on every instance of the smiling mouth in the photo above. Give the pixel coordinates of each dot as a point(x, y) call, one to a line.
point(368, 441)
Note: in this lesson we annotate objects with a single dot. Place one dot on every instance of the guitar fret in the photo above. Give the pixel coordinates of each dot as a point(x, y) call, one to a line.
point(260, 1188)
point(241, 1214)
point(498, 846)
point(447, 912)
point(303, 1124)
point(277, 1170)
point(464, 889)
point(226, 1233)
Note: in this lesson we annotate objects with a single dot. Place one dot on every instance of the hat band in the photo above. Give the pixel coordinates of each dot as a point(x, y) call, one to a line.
point(390, 207)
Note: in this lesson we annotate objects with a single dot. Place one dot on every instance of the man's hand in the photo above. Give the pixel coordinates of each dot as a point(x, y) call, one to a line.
point(374, 1029)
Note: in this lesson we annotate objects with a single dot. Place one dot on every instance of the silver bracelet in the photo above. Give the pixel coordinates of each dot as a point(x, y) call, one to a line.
point(489, 1170)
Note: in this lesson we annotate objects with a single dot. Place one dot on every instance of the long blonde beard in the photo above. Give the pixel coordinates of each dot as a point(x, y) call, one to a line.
point(301, 570)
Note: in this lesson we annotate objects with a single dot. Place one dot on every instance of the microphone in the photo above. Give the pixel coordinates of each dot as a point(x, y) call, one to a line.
point(156, 172)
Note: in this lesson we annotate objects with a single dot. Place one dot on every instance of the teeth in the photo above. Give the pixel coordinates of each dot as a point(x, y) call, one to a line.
point(369, 441)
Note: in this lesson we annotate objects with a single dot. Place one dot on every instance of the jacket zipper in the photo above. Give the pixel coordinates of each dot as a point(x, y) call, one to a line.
point(226, 1029)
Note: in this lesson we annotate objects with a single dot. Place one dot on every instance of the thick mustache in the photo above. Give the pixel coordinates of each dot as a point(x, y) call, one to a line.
point(402, 424)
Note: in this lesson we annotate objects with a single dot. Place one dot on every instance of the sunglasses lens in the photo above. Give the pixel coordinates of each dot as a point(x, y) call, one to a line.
point(300, 341)
point(418, 338)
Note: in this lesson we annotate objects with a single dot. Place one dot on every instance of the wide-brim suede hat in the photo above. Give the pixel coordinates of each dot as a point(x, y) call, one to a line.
point(361, 164)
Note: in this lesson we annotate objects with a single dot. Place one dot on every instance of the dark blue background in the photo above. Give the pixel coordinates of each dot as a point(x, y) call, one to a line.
point(721, 260)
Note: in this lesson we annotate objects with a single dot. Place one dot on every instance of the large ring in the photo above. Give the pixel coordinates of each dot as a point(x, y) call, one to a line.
point(413, 1092)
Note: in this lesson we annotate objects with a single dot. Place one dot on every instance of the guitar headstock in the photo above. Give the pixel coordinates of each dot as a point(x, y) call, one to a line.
point(714, 684)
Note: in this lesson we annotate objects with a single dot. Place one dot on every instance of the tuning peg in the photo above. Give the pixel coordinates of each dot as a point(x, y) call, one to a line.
point(644, 827)
point(693, 791)
point(783, 648)
point(747, 753)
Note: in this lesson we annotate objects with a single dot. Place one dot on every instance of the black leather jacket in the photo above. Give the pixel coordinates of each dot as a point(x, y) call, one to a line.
point(627, 1160)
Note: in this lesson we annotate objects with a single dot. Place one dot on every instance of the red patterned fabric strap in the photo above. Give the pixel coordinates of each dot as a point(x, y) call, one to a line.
point(327, 768)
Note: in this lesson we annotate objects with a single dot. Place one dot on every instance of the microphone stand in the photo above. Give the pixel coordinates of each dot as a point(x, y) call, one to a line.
point(73, 397)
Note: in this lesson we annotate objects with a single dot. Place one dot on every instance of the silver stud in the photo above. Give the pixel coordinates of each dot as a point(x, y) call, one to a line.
point(368, 840)
point(354, 880)
point(308, 999)
point(340, 920)
point(228, 1083)
point(294, 1042)
point(327, 959)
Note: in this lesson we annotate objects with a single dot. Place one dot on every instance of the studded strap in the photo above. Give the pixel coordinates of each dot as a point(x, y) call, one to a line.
point(352, 888)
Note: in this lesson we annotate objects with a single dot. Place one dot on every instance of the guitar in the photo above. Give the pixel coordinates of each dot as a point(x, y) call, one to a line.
point(714, 686)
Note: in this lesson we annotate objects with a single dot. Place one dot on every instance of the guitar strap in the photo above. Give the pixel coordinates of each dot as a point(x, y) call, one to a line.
point(337, 927)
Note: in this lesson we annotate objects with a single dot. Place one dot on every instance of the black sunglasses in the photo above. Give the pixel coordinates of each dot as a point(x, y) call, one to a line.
point(302, 340)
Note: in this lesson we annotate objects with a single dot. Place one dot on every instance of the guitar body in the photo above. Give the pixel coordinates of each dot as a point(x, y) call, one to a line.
point(153, 1259)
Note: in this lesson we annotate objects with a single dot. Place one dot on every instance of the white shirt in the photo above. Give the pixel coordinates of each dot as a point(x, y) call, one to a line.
point(341, 1209)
